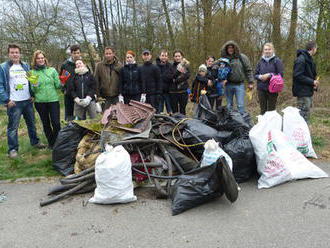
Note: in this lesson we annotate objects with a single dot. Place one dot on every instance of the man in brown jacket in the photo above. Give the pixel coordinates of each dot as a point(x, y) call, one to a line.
point(107, 77)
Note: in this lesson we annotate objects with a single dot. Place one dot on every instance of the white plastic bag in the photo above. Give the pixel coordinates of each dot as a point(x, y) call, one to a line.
point(258, 134)
point(284, 163)
point(113, 175)
point(212, 152)
point(296, 129)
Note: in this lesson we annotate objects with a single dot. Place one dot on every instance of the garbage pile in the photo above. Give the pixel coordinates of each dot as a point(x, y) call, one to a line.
point(190, 161)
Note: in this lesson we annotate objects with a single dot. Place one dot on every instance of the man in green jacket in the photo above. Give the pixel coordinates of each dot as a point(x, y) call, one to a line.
point(241, 71)
point(107, 77)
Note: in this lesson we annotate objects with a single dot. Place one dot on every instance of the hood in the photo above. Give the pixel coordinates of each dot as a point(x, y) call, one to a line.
point(224, 49)
point(305, 53)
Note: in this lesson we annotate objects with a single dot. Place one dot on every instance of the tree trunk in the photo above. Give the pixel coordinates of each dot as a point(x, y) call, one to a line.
point(207, 27)
point(291, 41)
point(90, 54)
point(276, 34)
point(168, 23)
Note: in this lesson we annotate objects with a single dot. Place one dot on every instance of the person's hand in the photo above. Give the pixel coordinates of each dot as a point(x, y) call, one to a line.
point(143, 98)
point(224, 82)
point(209, 83)
point(316, 83)
point(11, 104)
point(250, 85)
point(88, 100)
point(77, 100)
point(121, 99)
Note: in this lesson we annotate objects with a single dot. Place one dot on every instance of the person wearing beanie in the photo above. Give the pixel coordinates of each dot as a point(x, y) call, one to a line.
point(130, 85)
point(199, 86)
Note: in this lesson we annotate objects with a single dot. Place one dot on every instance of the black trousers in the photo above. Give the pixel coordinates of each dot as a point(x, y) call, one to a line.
point(267, 101)
point(128, 98)
point(179, 102)
point(49, 113)
point(69, 107)
point(154, 101)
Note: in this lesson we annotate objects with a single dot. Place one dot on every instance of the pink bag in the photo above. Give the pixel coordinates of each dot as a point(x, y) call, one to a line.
point(276, 83)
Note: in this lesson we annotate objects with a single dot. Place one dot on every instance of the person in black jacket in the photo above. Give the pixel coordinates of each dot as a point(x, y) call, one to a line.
point(130, 84)
point(68, 67)
point(151, 84)
point(304, 79)
point(166, 80)
point(82, 89)
point(212, 76)
point(180, 85)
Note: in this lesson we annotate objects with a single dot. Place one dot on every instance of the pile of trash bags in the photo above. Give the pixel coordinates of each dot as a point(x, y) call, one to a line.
point(190, 161)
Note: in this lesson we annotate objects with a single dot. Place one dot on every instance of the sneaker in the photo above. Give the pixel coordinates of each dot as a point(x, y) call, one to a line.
point(13, 154)
point(39, 146)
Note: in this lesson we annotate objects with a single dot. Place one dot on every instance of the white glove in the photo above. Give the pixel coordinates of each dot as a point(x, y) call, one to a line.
point(77, 100)
point(88, 100)
point(143, 98)
point(121, 99)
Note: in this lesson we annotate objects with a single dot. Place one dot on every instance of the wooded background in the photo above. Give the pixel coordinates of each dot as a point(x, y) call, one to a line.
point(198, 27)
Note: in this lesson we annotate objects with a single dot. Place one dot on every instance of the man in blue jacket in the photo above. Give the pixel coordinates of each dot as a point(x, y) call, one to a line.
point(304, 79)
point(15, 93)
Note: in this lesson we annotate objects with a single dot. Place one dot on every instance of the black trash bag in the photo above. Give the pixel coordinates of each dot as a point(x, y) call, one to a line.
point(202, 185)
point(186, 163)
point(241, 151)
point(196, 131)
point(232, 120)
point(65, 147)
point(204, 111)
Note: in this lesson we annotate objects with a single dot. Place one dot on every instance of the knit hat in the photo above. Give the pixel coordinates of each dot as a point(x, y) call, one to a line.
point(131, 53)
point(202, 68)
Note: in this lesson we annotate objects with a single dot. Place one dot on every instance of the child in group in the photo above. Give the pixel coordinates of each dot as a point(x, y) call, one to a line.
point(223, 73)
point(199, 86)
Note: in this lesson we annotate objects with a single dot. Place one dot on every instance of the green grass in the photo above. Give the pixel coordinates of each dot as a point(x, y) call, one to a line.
point(31, 162)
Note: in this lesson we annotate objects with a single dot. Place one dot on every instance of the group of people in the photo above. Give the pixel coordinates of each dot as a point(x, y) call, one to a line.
point(160, 84)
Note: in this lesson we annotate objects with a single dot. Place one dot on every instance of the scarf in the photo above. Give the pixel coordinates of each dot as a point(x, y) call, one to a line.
point(81, 70)
point(267, 59)
point(39, 67)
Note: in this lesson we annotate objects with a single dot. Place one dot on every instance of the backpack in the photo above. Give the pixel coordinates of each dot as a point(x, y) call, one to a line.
point(276, 83)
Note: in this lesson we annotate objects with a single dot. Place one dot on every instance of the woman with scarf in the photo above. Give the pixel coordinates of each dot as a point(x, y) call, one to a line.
point(268, 65)
point(130, 85)
point(82, 89)
point(45, 83)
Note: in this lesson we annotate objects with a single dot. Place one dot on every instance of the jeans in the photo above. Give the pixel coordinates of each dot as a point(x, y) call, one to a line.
point(239, 92)
point(69, 107)
point(304, 105)
point(14, 113)
point(49, 113)
point(267, 101)
point(179, 102)
point(165, 98)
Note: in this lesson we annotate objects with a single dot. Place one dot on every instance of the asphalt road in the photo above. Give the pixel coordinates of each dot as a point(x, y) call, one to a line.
point(295, 214)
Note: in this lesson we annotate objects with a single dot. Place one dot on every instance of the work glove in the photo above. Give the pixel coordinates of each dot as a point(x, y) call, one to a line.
point(143, 98)
point(121, 99)
point(86, 101)
point(77, 100)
